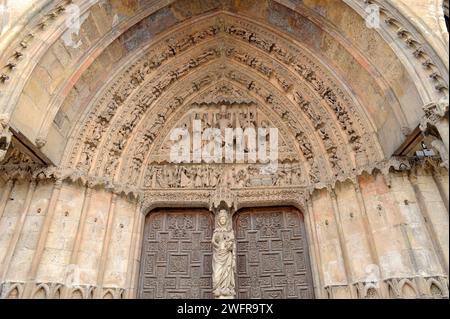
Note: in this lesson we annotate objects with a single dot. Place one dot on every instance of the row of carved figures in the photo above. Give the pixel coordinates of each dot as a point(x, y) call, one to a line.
point(224, 117)
point(212, 175)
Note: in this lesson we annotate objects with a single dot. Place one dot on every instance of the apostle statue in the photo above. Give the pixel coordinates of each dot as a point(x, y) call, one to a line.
point(224, 257)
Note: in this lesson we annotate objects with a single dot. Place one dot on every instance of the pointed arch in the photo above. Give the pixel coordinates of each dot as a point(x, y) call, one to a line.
point(41, 292)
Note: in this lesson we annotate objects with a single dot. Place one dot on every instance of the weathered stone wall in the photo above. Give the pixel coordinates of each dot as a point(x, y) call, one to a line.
point(381, 227)
point(384, 236)
point(81, 241)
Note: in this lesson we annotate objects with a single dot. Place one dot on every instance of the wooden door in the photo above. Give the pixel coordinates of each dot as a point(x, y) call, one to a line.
point(272, 254)
point(176, 255)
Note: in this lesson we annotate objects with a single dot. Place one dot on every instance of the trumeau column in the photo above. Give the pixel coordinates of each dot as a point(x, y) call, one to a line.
point(18, 230)
point(105, 246)
point(37, 257)
point(223, 204)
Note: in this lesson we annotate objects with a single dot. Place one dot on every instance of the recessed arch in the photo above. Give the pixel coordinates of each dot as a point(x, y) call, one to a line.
point(14, 293)
point(302, 13)
point(128, 133)
point(41, 293)
point(108, 295)
point(77, 294)
point(89, 129)
point(407, 290)
point(436, 289)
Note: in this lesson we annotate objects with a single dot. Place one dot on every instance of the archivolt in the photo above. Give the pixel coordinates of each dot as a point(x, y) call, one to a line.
point(273, 35)
point(284, 77)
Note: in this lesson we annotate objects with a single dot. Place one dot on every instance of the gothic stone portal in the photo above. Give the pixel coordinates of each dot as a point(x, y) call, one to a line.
point(272, 257)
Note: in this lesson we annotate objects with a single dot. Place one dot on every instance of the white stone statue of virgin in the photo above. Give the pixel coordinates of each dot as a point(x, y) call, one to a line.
point(224, 257)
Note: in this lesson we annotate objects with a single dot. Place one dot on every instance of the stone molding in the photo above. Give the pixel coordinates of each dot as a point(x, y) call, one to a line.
point(401, 28)
point(207, 197)
point(32, 32)
point(435, 287)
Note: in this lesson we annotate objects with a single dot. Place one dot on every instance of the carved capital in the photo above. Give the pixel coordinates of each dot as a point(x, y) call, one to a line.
point(434, 112)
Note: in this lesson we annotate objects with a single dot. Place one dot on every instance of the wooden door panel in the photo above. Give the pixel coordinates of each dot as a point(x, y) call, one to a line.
point(272, 255)
point(177, 255)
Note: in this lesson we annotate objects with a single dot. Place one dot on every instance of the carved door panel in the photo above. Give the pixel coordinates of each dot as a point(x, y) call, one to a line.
point(177, 255)
point(272, 255)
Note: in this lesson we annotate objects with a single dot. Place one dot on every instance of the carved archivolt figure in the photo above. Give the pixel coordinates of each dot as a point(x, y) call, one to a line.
point(224, 257)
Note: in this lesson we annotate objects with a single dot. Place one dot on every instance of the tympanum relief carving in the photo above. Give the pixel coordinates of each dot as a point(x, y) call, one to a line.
point(222, 115)
point(229, 175)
